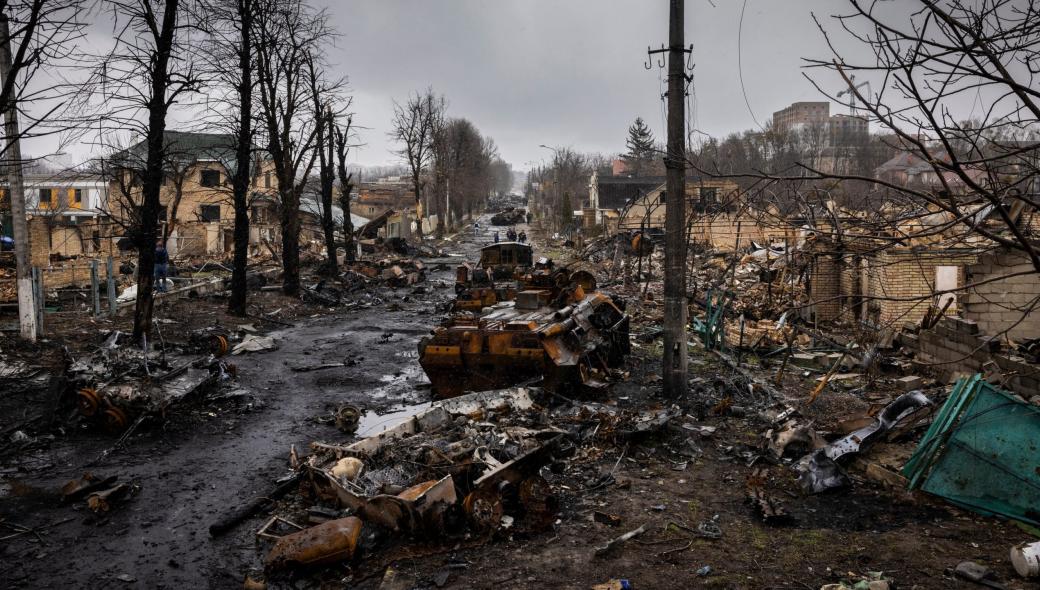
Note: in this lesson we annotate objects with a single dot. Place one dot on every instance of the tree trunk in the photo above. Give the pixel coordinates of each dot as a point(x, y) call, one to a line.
point(290, 219)
point(16, 190)
point(327, 144)
point(178, 188)
point(243, 161)
point(348, 225)
point(438, 199)
point(418, 207)
point(152, 180)
point(345, 186)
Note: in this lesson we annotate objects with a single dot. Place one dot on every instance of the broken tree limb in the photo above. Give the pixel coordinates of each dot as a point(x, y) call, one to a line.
point(233, 518)
point(827, 378)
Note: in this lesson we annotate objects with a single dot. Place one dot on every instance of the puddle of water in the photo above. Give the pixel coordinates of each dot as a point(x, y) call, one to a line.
point(372, 424)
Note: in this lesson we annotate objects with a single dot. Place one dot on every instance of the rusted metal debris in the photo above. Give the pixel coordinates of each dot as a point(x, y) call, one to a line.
point(819, 470)
point(119, 383)
point(101, 493)
point(470, 463)
point(558, 332)
point(329, 542)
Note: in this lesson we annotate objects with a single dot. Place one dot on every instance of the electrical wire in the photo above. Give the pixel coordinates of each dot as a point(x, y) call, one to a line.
point(740, 64)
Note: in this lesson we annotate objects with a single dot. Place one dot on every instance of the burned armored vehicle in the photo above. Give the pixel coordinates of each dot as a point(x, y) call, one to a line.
point(493, 279)
point(568, 337)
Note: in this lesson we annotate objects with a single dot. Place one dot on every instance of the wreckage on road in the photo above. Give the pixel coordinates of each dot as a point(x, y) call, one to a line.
point(564, 335)
point(510, 216)
point(466, 464)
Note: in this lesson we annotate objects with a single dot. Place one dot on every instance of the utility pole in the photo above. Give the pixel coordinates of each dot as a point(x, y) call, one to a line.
point(16, 188)
point(675, 304)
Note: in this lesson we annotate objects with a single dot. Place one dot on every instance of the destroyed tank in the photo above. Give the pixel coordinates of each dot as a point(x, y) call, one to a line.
point(476, 287)
point(510, 216)
point(565, 335)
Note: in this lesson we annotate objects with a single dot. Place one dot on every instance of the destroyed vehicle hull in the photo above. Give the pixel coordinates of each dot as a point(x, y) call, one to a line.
point(510, 216)
point(518, 341)
point(504, 259)
point(111, 388)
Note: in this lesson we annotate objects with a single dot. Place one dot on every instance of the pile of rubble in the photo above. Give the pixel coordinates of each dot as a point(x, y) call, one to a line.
point(463, 468)
point(394, 272)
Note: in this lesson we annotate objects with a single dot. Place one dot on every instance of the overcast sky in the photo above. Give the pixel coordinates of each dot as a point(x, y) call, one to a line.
point(570, 72)
point(563, 72)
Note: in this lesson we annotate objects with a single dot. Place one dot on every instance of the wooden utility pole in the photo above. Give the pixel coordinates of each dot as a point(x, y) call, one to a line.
point(16, 189)
point(675, 304)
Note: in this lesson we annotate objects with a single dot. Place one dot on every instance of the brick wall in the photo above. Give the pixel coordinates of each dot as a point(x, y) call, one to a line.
point(902, 275)
point(39, 241)
point(1003, 304)
point(722, 231)
point(887, 288)
point(955, 347)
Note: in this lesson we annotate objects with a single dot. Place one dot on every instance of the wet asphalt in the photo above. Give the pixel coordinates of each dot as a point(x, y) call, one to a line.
point(194, 467)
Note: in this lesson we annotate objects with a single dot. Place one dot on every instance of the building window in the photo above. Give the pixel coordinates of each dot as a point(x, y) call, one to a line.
point(210, 178)
point(45, 198)
point(209, 212)
point(267, 179)
point(709, 196)
point(77, 196)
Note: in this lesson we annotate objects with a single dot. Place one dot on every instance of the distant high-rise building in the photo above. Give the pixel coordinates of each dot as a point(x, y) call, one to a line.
point(801, 114)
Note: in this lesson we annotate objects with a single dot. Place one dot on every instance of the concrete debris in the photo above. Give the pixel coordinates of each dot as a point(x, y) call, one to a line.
point(980, 574)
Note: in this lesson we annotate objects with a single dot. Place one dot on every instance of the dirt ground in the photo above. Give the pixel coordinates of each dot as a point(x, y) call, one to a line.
point(209, 455)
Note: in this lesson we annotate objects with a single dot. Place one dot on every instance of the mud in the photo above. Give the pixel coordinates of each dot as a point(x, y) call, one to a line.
point(202, 461)
point(207, 457)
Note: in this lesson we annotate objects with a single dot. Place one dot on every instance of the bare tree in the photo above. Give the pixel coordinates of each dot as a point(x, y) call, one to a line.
point(413, 127)
point(946, 51)
point(35, 36)
point(343, 134)
point(150, 67)
point(288, 32)
point(43, 37)
point(231, 58)
point(324, 97)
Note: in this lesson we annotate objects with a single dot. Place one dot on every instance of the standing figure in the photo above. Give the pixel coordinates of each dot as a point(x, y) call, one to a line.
point(162, 260)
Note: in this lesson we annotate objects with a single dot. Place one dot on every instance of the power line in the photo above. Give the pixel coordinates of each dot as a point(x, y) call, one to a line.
point(740, 64)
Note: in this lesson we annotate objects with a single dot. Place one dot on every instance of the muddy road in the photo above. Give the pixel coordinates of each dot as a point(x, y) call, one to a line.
point(207, 458)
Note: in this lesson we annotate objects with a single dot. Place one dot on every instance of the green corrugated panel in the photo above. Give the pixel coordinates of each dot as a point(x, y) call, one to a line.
point(982, 452)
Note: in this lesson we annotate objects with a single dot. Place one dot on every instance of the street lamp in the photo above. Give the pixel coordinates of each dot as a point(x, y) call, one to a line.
point(556, 178)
